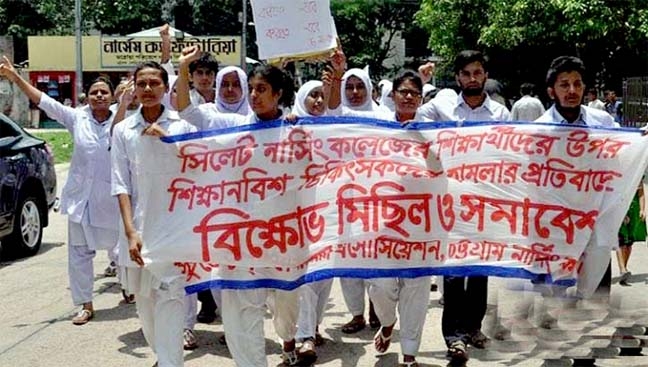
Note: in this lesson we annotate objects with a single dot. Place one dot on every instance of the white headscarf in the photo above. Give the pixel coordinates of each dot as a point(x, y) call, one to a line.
point(241, 107)
point(362, 75)
point(303, 92)
point(386, 101)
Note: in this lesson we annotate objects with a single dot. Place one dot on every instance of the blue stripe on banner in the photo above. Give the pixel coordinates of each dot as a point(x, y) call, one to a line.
point(473, 270)
point(349, 120)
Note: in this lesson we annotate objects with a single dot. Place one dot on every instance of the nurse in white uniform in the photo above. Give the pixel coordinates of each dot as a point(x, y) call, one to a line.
point(92, 213)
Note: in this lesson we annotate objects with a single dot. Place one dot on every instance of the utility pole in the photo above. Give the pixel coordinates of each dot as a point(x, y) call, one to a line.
point(244, 36)
point(79, 47)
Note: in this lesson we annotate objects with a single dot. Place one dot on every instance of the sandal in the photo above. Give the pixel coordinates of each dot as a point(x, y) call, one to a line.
point(83, 316)
point(190, 340)
point(382, 342)
point(306, 355)
point(410, 364)
point(478, 339)
point(129, 299)
point(289, 358)
point(457, 352)
point(353, 326)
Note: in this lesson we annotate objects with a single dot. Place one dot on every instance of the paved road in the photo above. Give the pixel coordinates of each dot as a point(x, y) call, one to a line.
point(35, 326)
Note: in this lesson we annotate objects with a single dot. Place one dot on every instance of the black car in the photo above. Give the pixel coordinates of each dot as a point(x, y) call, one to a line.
point(27, 189)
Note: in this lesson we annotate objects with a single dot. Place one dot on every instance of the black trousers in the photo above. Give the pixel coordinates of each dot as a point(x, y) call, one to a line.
point(464, 306)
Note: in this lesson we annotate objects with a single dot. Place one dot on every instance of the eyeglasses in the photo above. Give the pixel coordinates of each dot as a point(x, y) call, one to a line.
point(405, 92)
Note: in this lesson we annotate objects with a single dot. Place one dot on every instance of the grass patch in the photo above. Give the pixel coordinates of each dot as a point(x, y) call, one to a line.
point(60, 142)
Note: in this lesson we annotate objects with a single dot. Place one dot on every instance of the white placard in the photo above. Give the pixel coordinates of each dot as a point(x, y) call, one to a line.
point(286, 28)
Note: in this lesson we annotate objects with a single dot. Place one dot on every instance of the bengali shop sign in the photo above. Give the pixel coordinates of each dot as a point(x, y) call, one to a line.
point(130, 51)
point(363, 198)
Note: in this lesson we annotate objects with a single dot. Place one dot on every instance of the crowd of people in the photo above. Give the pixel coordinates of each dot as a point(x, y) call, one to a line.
point(106, 163)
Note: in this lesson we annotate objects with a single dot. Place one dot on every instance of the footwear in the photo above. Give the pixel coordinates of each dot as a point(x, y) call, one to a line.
point(111, 270)
point(190, 341)
point(382, 342)
point(410, 364)
point(353, 326)
point(289, 358)
point(549, 322)
point(319, 339)
point(457, 352)
point(129, 299)
point(205, 317)
point(434, 287)
point(478, 339)
point(624, 279)
point(306, 354)
point(83, 316)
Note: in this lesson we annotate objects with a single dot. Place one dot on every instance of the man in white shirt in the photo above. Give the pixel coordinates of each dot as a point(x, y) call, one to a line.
point(594, 102)
point(472, 104)
point(203, 74)
point(565, 87)
point(465, 297)
point(527, 108)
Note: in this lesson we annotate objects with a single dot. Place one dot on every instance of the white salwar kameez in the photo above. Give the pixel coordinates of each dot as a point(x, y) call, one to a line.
point(243, 310)
point(411, 296)
point(93, 215)
point(158, 288)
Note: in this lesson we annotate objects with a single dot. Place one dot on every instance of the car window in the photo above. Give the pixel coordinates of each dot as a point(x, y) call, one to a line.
point(6, 129)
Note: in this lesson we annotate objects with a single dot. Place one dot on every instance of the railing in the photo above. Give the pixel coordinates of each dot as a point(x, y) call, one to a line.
point(635, 101)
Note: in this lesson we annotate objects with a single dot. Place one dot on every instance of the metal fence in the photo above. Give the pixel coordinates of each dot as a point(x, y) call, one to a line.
point(635, 101)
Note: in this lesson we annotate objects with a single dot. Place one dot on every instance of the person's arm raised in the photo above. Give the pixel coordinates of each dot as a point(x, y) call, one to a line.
point(8, 71)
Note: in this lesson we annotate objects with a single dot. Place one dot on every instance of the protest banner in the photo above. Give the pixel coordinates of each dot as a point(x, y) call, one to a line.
point(288, 29)
point(368, 198)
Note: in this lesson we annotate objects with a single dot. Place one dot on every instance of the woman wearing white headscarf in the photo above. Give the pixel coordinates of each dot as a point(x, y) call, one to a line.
point(232, 91)
point(356, 90)
point(386, 101)
point(310, 100)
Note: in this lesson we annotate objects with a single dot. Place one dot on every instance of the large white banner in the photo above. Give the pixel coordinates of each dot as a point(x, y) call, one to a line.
point(278, 205)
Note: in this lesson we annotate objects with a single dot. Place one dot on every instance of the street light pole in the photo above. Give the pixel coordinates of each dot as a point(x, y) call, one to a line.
point(79, 47)
point(244, 36)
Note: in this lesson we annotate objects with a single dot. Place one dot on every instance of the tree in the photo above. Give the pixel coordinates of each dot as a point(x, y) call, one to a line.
point(121, 17)
point(367, 27)
point(523, 36)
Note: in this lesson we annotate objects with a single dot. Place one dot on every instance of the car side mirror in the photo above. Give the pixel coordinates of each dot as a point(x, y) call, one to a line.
point(8, 142)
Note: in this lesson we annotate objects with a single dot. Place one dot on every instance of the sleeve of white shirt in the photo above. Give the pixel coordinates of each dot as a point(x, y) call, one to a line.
point(59, 112)
point(120, 176)
point(429, 111)
point(505, 115)
point(168, 66)
point(205, 117)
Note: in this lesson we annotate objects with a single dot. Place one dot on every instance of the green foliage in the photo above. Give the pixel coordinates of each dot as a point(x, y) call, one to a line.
point(122, 16)
point(366, 28)
point(523, 36)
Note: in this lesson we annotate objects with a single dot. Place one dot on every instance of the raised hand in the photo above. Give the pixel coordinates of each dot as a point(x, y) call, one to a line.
point(426, 71)
point(7, 70)
point(164, 31)
point(189, 54)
